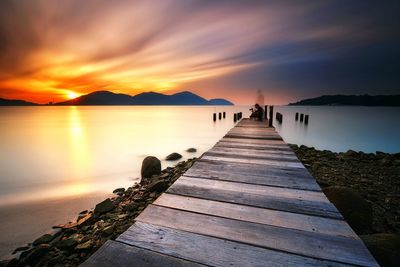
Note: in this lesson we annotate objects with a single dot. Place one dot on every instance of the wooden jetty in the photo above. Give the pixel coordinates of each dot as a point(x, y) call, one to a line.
point(247, 202)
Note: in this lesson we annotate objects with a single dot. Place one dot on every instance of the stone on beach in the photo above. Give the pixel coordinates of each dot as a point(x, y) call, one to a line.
point(104, 206)
point(384, 247)
point(44, 239)
point(355, 210)
point(119, 191)
point(174, 156)
point(158, 186)
point(191, 150)
point(150, 166)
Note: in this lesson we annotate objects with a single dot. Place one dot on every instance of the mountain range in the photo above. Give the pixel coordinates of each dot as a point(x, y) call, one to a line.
point(148, 98)
point(351, 100)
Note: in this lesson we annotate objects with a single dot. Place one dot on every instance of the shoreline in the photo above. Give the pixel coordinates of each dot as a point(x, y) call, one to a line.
point(73, 242)
point(365, 188)
point(374, 176)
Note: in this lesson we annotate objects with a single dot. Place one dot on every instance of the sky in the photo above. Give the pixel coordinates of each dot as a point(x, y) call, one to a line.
point(290, 50)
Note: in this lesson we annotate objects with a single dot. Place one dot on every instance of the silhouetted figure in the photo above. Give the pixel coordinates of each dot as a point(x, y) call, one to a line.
point(257, 113)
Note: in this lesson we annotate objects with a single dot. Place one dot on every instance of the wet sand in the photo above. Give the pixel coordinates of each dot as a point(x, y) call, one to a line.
point(23, 223)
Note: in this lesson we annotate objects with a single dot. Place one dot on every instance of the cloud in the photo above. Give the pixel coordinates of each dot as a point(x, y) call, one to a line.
point(48, 47)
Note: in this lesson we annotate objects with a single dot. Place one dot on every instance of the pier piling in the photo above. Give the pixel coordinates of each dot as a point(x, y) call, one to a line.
point(271, 116)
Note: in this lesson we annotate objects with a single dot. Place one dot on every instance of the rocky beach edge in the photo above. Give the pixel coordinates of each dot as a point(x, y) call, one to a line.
point(365, 187)
point(74, 242)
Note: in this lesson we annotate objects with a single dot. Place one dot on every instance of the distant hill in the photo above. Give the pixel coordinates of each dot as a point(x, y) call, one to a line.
point(99, 98)
point(219, 102)
point(148, 98)
point(351, 100)
point(15, 102)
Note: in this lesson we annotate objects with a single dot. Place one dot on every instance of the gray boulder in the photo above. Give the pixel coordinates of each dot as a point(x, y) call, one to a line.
point(355, 210)
point(174, 156)
point(150, 166)
point(104, 206)
point(384, 247)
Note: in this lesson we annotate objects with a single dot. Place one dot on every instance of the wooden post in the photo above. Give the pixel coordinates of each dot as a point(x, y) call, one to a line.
point(297, 116)
point(224, 114)
point(219, 115)
point(265, 112)
point(306, 119)
point(271, 115)
point(240, 115)
point(301, 117)
point(215, 117)
point(234, 117)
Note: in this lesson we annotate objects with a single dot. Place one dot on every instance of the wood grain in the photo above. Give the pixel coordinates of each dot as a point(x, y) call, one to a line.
point(114, 253)
point(209, 250)
point(327, 247)
point(257, 215)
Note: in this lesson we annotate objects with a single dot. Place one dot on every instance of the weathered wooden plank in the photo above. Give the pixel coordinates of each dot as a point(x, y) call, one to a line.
point(237, 145)
point(257, 197)
point(327, 247)
point(280, 181)
point(265, 162)
point(114, 253)
point(257, 215)
point(254, 141)
point(247, 136)
point(209, 250)
point(252, 151)
point(251, 155)
point(253, 189)
point(244, 168)
point(255, 133)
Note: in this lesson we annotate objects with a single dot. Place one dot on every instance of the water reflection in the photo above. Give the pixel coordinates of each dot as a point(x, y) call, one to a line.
point(77, 144)
point(54, 152)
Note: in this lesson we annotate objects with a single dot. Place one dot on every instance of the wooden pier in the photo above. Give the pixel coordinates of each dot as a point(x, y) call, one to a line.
point(247, 202)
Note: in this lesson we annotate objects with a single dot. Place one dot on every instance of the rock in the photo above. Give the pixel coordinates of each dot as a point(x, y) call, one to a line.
point(119, 191)
point(173, 156)
point(191, 150)
point(24, 248)
point(384, 247)
point(158, 186)
point(44, 239)
point(84, 246)
point(150, 166)
point(355, 210)
point(108, 230)
point(104, 206)
point(68, 243)
point(34, 255)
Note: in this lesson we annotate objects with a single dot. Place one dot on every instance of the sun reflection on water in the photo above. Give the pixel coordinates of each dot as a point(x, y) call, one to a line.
point(78, 146)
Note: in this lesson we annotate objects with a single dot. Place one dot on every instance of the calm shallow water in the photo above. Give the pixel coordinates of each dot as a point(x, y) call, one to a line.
point(66, 151)
point(340, 128)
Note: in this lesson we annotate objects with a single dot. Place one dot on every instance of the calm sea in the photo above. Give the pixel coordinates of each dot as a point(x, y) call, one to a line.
point(57, 161)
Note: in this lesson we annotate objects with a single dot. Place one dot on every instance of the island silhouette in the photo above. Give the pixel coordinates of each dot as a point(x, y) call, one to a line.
point(147, 98)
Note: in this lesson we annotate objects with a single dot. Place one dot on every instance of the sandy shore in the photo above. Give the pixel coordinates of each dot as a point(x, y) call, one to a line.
point(22, 223)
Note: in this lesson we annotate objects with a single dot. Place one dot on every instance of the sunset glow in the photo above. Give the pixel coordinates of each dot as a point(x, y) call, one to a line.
point(72, 95)
point(226, 49)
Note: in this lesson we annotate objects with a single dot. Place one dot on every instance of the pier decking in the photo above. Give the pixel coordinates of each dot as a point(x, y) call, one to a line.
point(247, 202)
